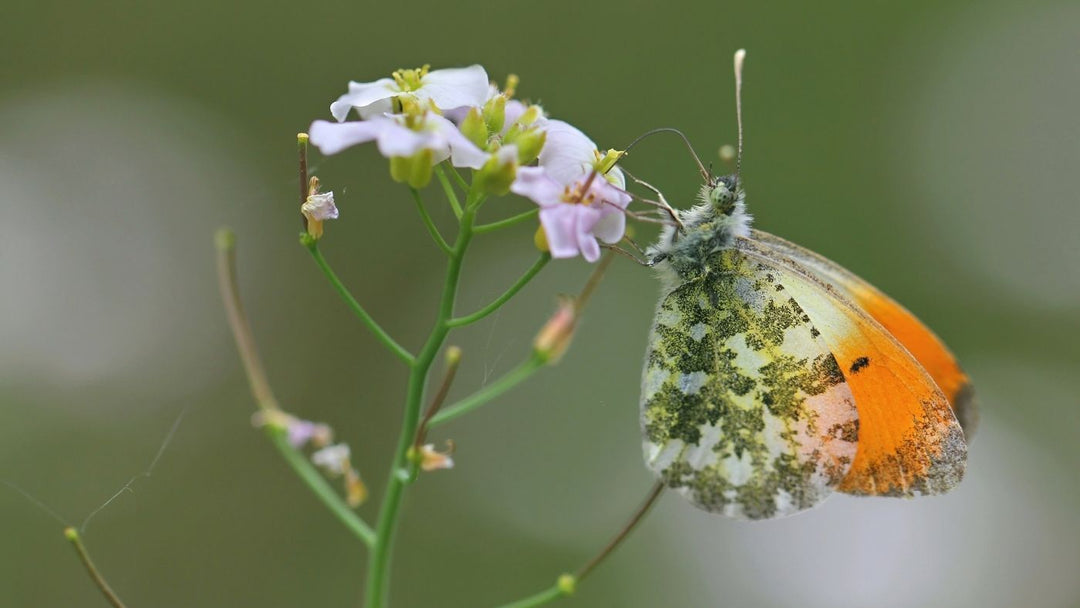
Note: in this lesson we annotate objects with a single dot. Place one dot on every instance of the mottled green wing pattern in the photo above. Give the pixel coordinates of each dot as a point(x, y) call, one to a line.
point(744, 409)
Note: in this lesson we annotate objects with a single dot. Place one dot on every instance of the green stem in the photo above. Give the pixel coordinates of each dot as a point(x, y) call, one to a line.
point(264, 396)
point(320, 487)
point(449, 189)
point(357, 309)
point(544, 597)
point(457, 177)
point(510, 221)
point(511, 379)
point(379, 565)
point(76, 541)
point(509, 293)
point(429, 223)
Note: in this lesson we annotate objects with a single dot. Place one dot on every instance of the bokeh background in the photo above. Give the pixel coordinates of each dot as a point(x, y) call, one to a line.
point(930, 146)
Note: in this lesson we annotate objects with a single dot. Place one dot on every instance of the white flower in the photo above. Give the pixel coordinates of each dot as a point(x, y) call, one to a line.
point(568, 153)
point(401, 135)
point(320, 207)
point(334, 459)
point(446, 89)
point(317, 208)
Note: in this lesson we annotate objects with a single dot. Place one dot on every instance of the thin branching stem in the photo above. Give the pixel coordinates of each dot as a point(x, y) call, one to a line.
point(302, 152)
point(537, 266)
point(264, 397)
point(642, 510)
point(505, 223)
point(432, 229)
point(514, 377)
point(380, 334)
point(544, 597)
point(76, 541)
point(593, 282)
point(320, 486)
point(457, 177)
point(451, 195)
point(453, 361)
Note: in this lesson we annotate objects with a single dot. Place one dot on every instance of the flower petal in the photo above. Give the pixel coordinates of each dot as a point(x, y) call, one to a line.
point(331, 138)
point(463, 153)
point(535, 184)
point(560, 227)
point(398, 140)
point(320, 207)
point(455, 87)
point(610, 194)
point(611, 227)
point(568, 153)
point(587, 218)
point(458, 114)
point(616, 178)
point(363, 94)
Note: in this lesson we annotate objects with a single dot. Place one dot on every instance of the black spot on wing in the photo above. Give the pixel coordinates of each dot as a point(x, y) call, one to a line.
point(860, 364)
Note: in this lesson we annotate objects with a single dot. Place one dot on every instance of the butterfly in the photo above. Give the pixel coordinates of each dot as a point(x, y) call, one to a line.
point(774, 377)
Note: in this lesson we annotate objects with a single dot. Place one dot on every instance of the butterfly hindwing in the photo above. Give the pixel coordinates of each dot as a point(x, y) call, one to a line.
point(744, 408)
point(909, 441)
point(926, 347)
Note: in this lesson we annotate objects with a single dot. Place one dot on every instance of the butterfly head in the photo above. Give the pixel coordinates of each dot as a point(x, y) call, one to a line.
point(723, 194)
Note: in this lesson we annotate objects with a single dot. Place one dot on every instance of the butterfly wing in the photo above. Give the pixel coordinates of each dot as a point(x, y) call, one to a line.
point(909, 441)
point(745, 411)
point(926, 347)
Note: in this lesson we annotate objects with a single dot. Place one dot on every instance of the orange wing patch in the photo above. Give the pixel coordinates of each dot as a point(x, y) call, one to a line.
point(916, 337)
point(926, 347)
point(909, 441)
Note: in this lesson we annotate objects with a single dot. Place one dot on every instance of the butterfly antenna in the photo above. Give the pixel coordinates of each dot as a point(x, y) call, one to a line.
point(701, 167)
point(740, 56)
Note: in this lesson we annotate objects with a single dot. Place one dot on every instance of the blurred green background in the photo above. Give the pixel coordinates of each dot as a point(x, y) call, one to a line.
point(930, 146)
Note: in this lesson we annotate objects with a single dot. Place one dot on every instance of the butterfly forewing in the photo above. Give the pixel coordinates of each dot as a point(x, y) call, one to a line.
point(926, 347)
point(909, 441)
point(744, 408)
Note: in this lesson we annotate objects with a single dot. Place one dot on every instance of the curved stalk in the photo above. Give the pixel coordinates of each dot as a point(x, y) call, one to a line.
point(358, 310)
point(505, 297)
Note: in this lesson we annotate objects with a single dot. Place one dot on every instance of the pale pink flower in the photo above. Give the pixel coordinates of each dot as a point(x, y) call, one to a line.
point(574, 215)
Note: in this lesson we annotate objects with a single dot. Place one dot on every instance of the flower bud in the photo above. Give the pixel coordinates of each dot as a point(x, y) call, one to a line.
point(531, 115)
point(554, 338)
point(495, 113)
point(540, 240)
point(475, 128)
point(529, 144)
point(453, 355)
point(414, 170)
point(499, 171)
point(567, 584)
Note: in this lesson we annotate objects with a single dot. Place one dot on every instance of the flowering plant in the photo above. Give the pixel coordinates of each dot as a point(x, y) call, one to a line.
point(478, 140)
